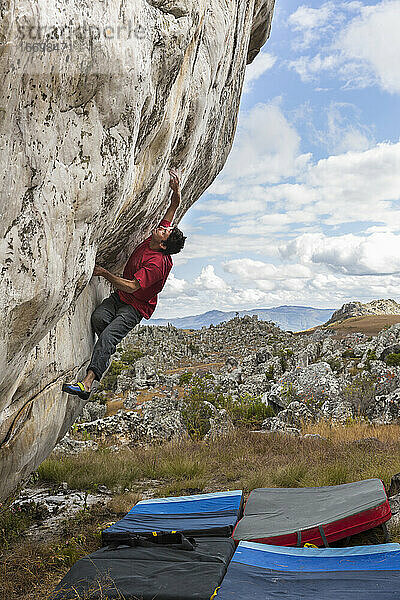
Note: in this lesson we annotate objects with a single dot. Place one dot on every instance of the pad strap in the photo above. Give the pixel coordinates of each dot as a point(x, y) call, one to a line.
point(323, 536)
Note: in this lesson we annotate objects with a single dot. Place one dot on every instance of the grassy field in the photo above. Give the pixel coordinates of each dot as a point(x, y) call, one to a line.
point(369, 325)
point(243, 460)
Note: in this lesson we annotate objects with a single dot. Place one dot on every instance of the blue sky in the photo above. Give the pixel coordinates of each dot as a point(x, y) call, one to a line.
point(306, 209)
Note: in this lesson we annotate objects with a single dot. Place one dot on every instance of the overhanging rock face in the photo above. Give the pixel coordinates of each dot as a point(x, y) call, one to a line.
point(98, 99)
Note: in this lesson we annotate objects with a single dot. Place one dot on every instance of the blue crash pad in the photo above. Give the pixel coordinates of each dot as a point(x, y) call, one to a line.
point(201, 514)
point(264, 572)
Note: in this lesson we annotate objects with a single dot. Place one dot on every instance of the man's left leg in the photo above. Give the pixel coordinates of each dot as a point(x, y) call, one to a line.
point(124, 321)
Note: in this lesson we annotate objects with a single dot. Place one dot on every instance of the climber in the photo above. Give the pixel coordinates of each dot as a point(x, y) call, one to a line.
point(136, 292)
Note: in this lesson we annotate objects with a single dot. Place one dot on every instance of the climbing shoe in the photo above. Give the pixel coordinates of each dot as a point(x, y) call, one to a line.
point(76, 389)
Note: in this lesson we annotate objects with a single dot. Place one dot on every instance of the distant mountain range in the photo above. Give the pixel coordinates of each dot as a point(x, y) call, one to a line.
point(289, 318)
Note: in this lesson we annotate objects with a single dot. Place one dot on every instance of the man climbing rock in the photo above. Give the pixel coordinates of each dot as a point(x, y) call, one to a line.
point(136, 292)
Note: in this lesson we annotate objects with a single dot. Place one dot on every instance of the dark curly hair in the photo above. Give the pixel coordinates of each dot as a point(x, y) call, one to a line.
point(174, 242)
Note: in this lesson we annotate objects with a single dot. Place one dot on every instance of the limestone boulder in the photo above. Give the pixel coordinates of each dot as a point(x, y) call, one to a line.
point(98, 100)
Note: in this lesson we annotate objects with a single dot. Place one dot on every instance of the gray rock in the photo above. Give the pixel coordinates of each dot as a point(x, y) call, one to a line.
point(125, 382)
point(387, 338)
point(291, 418)
point(231, 363)
point(130, 402)
point(51, 507)
point(394, 488)
point(162, 420)
point(394, 521)
point(263, 355)
point(144, 373)
point(69, 445)
point(357, 309)
point(313, 436)
point(336, 410)
point(220, 425)
point(159, 419)
point(92, 411)
point(386, 409)
point(313, 384)
point(392, 349)
point(86, 160)
point(274, 401)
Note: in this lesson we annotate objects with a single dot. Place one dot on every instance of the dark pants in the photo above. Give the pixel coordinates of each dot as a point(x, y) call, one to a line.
point(112, 320)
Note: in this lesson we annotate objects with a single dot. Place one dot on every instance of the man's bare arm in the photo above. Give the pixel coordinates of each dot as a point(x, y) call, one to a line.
point(125, 285)
point(174, 184)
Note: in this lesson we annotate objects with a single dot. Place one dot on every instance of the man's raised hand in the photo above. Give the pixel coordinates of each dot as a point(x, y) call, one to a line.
point(174, 182)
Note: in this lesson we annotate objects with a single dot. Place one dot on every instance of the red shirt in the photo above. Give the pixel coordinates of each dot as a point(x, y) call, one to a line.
point(151, 268)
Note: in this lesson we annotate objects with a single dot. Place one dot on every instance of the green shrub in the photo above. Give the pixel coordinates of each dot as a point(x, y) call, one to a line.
point(336, 365)
point(100, 397)
point(88, 470)
point(269, 375)
point(185, 378)
point(130, 355)
point(288, 392)
point(371, 355)
point(246, 411)
point(334, 474)
point(127, 358)
point(196, 418)
point(290, 475)
point(361, 394)
point(13, 522)
point(193, 348)
point(393, 359)
point(109, 381)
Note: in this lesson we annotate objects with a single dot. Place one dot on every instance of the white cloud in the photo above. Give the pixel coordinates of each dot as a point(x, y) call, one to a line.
point(343, 131)
point(209, 280)
point(174, 287)
point(377, 254)
point(309, 21)
point(248, 269)
point(310, 67)
point(349, 187)
point(364, 52)
point(358, 185)
point(209, 246)
point(208, 219)
point(325, 288)
point(266, 150)
point(274, 223)
point(373, 41)
point(262, 63)
point(236, 206)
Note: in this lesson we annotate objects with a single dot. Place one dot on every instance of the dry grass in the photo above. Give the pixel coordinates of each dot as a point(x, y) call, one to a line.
point(194, 367)
point(347, 454)
point(30, 571)
point(354, 431)
point(122, 503)
point(243, 460)
point(113, 406)
point(369, 325)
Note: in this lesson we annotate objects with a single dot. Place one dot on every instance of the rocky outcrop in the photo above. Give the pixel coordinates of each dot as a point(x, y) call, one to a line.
point(98, 100)
point(357, 309)
point(299, 377)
